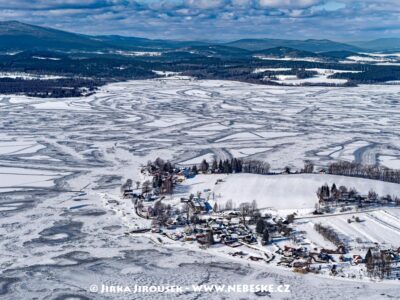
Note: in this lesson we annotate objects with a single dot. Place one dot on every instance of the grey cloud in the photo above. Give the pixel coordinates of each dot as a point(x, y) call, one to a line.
point(212, 19)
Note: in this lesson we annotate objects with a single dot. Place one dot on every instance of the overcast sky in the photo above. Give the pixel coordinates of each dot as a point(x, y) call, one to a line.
point(214, 19)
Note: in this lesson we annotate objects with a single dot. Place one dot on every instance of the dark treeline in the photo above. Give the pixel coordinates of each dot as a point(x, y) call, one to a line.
point(82, 65)
point(236, 165)
point(299, 73)
point(364, 171)
point(233, 165)
point(161, 165)
point(226, 66)
point(335, 195)
point(307, 65)
point(368, 73)
point(69, 87)
point(374, 74)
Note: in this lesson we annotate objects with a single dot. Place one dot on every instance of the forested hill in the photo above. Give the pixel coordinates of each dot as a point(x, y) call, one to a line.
point(46, 62)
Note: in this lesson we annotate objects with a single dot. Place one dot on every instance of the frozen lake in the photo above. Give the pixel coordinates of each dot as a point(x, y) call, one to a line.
point(56, 242)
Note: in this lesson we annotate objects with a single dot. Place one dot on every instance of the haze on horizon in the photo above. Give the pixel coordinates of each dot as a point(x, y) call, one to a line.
point(341, 20)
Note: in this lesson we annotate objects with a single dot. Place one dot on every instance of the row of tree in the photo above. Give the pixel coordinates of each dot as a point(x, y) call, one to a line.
point(344, 193)
point(335, 193)
point(233, 165)
point(365, 171)
point(236, 165)
point(329, 234)
point(160, 165)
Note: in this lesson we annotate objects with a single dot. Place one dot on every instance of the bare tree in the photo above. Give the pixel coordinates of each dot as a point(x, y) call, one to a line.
point(254, 205)
point(161, 211)
point(186, 210)
point(146, 187)
point(229, 205)
point(215, 207)
point(290, 218)
point(372, 195)
point(364, 171)
point(308, 167)
point(245, 211)
point(256, 167)
point(127, 185)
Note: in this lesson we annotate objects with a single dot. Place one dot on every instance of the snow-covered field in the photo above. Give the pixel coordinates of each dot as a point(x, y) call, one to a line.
point(139, 53)
point(321, 77)
point(56, 240)
point(28, 76)
point(286, 193)
point(376, 227)
point(310, 59)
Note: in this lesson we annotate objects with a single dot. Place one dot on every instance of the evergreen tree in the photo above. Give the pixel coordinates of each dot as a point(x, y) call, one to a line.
point(265, 238)
point(220, 167)
point(260, 226)
point(240, 166)
point(214, 167)
point(234, 165)
point(204, 166)
point(227, 167)
point(194, 169)
point(333, 189)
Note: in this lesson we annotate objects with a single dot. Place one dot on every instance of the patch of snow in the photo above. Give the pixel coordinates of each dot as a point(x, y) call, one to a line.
point(261, 70)
point(309, 59)
point(197, 160)
point(244, 152)
point(27, 76)
point(391, 162)
point(45, 58)
point(139, 53)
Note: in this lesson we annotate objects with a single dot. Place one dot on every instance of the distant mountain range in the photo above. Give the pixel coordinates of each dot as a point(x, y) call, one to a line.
point(388, 44)
point(81, 63)
point(286, 52)
point(17, 36)
point(307, 45)
point(20, 36)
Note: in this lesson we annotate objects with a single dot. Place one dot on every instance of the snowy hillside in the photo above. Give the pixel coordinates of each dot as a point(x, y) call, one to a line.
point(281, 192)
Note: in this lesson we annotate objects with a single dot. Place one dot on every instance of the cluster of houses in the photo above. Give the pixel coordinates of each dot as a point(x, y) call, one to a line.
point(198, 219)
point(334, 195)
point(200, 205)
point(208, 231)
point(302, 259)
point(195, 218)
